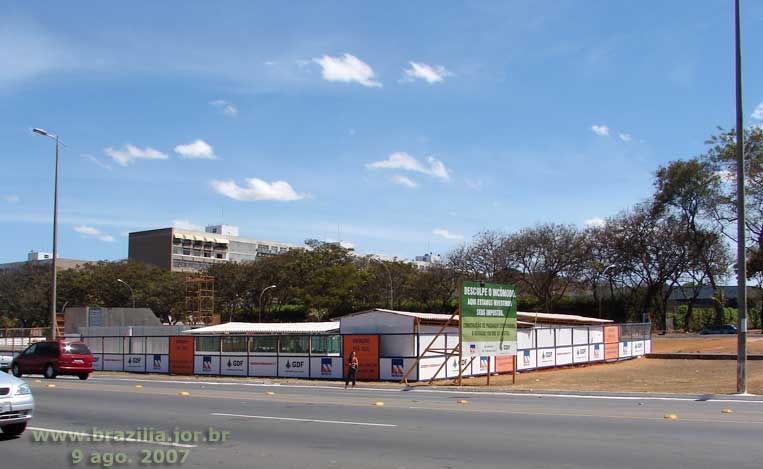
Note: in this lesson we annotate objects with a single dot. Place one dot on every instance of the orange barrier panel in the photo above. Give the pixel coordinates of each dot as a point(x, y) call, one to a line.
point(611, 334)
point(366, 347)
point(504, 363)
point(612, 351)
point(181, 355)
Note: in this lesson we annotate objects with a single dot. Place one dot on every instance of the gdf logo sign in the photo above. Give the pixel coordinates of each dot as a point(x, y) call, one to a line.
point(235, 363)
point(133, 360)
point(296, 364)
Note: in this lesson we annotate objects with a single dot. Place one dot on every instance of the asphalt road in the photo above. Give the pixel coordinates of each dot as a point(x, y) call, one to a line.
point(328, 427)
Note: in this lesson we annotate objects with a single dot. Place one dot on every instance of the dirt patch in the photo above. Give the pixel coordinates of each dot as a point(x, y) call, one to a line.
point(704, 344)
point(637, 375)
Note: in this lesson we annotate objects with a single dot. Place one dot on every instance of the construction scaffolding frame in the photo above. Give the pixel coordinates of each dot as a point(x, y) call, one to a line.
point(200, 300)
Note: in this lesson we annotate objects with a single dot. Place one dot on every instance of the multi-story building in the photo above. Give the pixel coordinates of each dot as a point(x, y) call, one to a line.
point(183, 250)
point(41, 258)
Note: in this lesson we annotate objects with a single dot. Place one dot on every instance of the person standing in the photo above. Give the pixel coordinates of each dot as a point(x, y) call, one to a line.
point(352, 369)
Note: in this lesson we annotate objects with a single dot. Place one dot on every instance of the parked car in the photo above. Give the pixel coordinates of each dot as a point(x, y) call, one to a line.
point(5, 361)
point(16, 405)
point(53, 358)
point(725, 329)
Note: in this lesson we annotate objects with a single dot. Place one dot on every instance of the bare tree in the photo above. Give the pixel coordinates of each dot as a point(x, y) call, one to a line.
point(651, 253)
point(550, 258)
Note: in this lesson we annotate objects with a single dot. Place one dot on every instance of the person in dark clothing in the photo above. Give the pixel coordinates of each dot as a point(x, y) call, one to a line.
point(352, 369)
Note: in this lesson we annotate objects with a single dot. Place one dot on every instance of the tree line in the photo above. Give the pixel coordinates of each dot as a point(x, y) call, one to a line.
point(626, 268)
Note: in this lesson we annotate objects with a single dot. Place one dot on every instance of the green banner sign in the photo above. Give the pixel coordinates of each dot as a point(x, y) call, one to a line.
point(488, 319)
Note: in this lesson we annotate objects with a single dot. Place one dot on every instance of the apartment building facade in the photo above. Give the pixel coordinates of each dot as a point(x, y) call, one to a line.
point(183, 250)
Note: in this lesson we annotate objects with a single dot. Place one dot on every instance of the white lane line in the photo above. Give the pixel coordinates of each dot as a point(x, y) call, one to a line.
point(88, 438)
point(726, 399)
point(290, 419)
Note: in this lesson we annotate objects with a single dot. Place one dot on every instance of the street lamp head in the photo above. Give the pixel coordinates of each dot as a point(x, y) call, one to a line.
point(38, 130)
point(273, 286)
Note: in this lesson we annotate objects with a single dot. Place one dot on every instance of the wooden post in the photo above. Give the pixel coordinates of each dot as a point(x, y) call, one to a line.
point(404, 380)
point(514, 371)
point(460, 331)
point(488, 370)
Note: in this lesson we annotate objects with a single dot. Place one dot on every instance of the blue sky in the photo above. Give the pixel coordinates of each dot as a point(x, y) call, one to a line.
point(402, 127)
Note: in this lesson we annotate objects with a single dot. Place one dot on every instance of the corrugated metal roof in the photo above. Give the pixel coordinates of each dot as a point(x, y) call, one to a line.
point(268, 328)
point(523, 318)
point(427, 316)
point(560, 318)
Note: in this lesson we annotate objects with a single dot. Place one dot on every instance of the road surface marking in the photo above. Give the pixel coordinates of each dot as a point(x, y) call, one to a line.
point(646, 397)
point(110, 438)
point(290, 419)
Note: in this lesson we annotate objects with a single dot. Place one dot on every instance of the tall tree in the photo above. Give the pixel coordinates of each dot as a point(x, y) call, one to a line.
point(692, 191)
point(550, 258)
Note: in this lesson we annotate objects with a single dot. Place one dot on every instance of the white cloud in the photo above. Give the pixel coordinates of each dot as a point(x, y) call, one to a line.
point(475, 184)
point(601, 130)
point(595, 222)
point(91, 232)
point(404, 181)
point(186, 225)
point(430, 74)
point(442, 232)
point(225, 107)
point(96, 161)
point(131, 153)
point(196, 150)
point(87, 230)
point(758, 112)
point(625, 137)
point(12, 198)
point(347, 69)
point(257, 189)
point(402, 160)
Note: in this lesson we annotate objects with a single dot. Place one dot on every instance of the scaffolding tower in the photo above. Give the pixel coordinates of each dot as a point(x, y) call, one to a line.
point(200, 300)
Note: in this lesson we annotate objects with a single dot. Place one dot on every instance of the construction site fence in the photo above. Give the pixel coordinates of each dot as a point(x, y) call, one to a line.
point(324, 356)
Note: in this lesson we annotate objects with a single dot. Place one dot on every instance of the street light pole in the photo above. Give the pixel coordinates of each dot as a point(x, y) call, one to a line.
point(53, 319)
point(741, 244)
point(259, 319)
point(389, 273)
point(603, 274)
point(132, 293)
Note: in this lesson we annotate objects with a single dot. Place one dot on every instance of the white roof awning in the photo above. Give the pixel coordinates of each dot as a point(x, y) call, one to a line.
point(274, 328)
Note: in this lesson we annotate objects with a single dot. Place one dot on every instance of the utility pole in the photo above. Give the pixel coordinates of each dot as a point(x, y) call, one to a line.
point(741, 244)
point(53, 288)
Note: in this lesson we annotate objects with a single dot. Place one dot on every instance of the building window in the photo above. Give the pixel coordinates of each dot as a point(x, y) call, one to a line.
point(294, 344)
point(234, 344)
point(325, 344)
point(186, 252)
point(263, 344)
point(207, 344)
point(219, 256)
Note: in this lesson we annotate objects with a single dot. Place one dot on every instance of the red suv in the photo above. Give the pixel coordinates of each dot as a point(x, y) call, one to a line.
point(53, 358)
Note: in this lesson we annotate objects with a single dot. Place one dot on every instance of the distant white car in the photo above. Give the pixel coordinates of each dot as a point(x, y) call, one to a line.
point(16, 405)
point(5, 362)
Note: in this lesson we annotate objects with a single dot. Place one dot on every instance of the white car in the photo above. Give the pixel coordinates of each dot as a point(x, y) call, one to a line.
point(16, 405)
point(5, 362)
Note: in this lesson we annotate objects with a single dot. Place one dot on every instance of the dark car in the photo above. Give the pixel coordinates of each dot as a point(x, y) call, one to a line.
point(53, 358)
point(725, 329)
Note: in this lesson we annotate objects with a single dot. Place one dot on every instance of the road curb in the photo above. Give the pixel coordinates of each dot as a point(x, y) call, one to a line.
point(701, 356)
